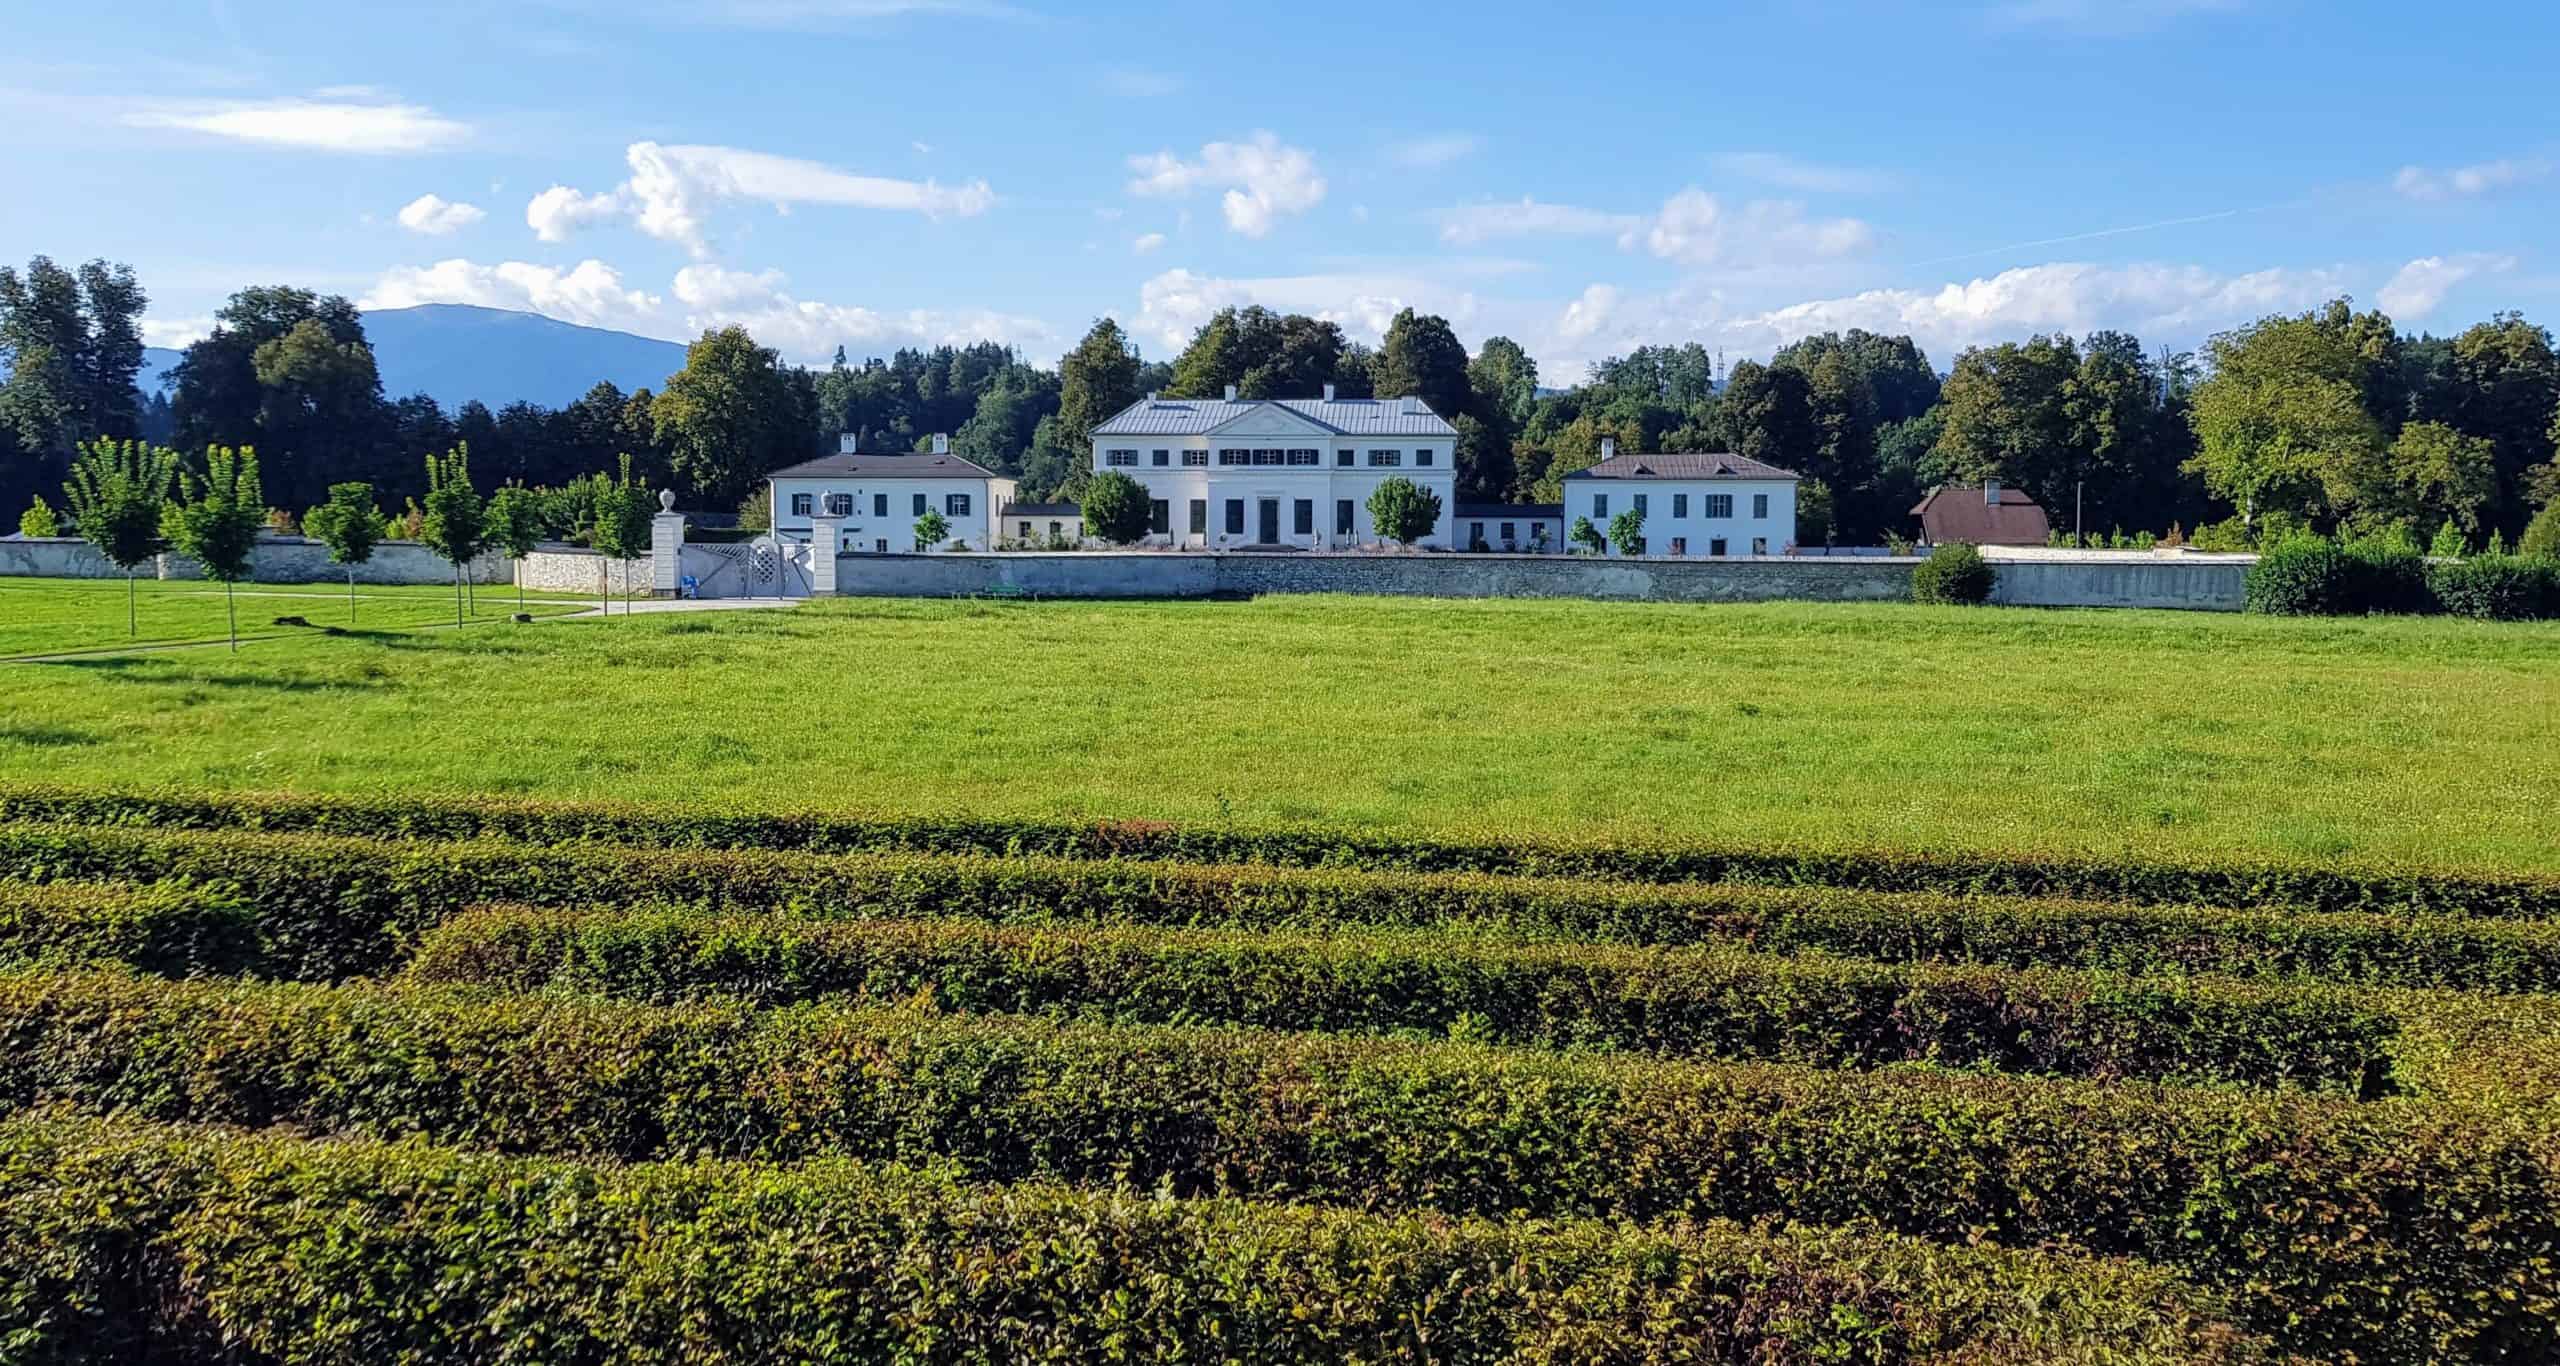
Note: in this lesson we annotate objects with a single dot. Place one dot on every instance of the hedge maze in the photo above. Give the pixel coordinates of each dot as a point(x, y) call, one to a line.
point(303, 1080)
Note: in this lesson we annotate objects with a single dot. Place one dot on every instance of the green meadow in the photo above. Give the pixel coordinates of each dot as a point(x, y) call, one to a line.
point(2376, 741)
point(42, 616)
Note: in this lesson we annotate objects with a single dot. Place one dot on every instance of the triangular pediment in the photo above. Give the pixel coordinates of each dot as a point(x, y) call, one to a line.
point(1271, 419)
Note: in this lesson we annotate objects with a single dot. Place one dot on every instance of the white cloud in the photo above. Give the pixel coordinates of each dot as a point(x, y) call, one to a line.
point(1790, 173)
point(559, 211)
point(175, 333)
point(2422, 284)
point(716, 296)
point(1264, 178)
point(1473, 223)
point(1440, 149)
point(1137, 83)
point(433, 215)
point(591, 293)
point(1147, 242)
point(1173, 305)
point(2153, 301)
point(673, 188)
point(2464, 182)
point(320, 125)
point(1695, 229)
point(1586, 314)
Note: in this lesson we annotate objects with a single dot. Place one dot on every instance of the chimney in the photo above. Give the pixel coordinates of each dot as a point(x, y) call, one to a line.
point(942, 443)
point(845, 443)
point(1412, 405)
point(1991, 493)
point(1151, 396)
point(1608, 448)
point(1328, 393)
point(1231, 393)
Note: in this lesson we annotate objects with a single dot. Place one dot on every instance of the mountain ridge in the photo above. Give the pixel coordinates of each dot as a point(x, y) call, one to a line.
point(457, 353)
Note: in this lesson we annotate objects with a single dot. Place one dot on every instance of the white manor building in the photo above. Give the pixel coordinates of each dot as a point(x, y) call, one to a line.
point(874, 499)
point(1234, 473)
point(1702, 504)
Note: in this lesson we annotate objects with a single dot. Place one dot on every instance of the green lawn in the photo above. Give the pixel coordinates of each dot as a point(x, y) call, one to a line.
point(2431, 742)
point(50, 615)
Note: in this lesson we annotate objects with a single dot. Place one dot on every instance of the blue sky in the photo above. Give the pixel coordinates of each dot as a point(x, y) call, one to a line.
point(1582, 178)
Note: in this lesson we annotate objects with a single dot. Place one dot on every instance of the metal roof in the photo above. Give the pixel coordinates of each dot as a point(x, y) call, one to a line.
point(1041, 510)
point(1518, 512)
point(1683, 465)
point(1345, 416)
point(874, 465)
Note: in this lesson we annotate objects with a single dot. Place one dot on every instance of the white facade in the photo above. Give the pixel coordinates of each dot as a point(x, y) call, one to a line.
point(874, 500)
point(1694, 505)
point(1229, 474)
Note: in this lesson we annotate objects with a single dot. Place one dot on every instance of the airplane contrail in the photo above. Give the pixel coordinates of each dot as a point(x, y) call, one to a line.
point(2087, 236)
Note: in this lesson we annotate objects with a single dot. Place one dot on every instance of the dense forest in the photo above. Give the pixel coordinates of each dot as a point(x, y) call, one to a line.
point(2332, 419)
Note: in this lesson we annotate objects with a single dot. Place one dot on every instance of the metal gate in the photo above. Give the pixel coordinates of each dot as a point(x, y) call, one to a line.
point(761, 568)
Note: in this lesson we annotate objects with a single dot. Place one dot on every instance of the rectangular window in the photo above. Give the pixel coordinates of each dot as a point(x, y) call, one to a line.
point(921, 505)
point(955, 504)
point(1159, 516)
point(1716, 547)
point(1056, 531)
point(1199, 516)
point(1235, 516)
point(839, 504)
point(1385, 459)
point(1117, 459)
point(1026, 530)
point(801, 503)
point(1422, 457)
point(1194, 459)
point(1229, 455)
point(1306, 457)
point(1510, 532)
point(1719, 505)
point(1161, 459)
point(1760, 505)
point(1759, 545)
point(1342, 457)
point(1342, 516)
point(1640, 505)
point(1679, 508)
point(1302, 518)
point(880, 547)
point(1599, 505)
point(879, 505)
point(1679, 545)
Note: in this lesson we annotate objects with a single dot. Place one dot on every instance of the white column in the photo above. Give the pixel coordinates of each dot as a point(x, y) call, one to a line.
point(666, 546)
point(825, 539)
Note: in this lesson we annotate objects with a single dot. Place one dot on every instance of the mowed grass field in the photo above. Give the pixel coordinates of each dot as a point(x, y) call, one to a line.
point(2405, 742)
point(41, 616)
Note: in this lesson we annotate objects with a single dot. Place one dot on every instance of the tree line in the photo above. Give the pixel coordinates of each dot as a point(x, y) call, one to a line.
point(2331, 420)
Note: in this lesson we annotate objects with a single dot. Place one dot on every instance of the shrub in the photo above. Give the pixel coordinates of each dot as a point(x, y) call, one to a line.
point(2325, 886)
point(1712, 1002)
point(1403, 511)
point(2498, 588)
point(2541, 539)
point(1954, 573)
point(171, 928)
point(147, 1245)
point(2396, 1230)
point(38, 521)
point(1115, 508)
point(2302, 577)
point(2387, 574)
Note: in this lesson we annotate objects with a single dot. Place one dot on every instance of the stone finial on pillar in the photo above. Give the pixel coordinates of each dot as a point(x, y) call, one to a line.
point(666, 546)
point(825, 539)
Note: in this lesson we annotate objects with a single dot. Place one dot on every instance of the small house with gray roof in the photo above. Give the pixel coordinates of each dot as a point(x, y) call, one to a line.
point(1712, 504)
point(870, 501)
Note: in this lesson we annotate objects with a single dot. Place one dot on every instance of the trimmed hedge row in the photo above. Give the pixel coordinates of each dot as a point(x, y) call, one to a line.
point(331, 907)
point(169, 928)
point(2395, 1230)
point(2317, 887)
point(164, 1244)
point(1713, 1002)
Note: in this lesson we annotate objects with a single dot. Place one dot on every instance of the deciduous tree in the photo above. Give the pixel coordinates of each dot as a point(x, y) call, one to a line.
point(1115, 508)
point(351, 526)
point(118, 493)
point(456, 525)
point(1403, 511)
point(730, 417)
point(217, 525)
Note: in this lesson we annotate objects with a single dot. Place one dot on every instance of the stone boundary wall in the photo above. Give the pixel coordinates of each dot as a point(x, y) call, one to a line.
point(2214, 585)
point(574, 569)
point(278, 559)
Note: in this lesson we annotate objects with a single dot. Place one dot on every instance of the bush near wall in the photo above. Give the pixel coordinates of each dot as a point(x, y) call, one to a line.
point(1954, 575)
point(2498, 588)
point(1713, 1002)
point(2396, 1230)
point(2244, 882)
point(2305, 576)
point(157, 1244)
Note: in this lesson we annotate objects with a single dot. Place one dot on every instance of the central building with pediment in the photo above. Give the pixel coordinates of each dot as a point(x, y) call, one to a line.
point(1277, 474)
